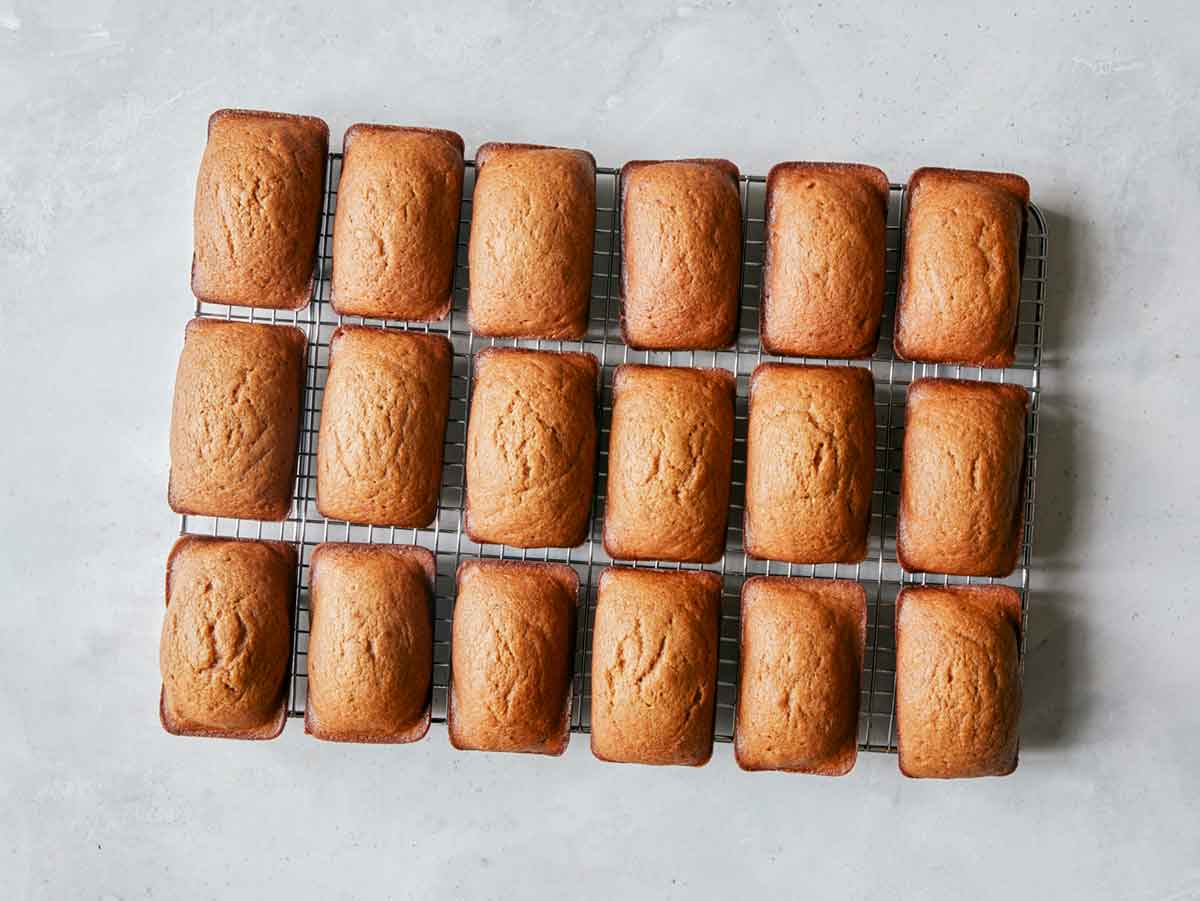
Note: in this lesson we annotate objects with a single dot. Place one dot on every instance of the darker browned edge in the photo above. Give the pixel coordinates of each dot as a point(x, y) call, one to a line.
point(848, 755)
point(869, 380)
point(307, 122)
point(491, 148)
point(1012, 184)
point(455, 140)
point(479, 361)
point(272, 728)
point(728, 168)
point(717, 585)
point(1016, 392)
point(428, 563)
point(568, 578)
point(870, 175)
point(1011, 603)
point(441, 347)
point(297, 335)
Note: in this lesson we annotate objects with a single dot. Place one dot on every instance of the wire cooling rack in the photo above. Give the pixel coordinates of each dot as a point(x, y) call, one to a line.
point(880, 574)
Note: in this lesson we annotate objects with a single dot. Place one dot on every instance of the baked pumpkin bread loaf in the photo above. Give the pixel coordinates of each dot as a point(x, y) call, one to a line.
point(370, 643)
point(383, 424)
point(801, 658)
point(531, 447)
point(654, 666)
point(395, 235)
point(958, 683)
point(681, 246)
point(825, 257)
point(810, 463)
point(960, 286)
point(235, 422)
point(512, 648)
point(533, 224)
point(258, 209)
point(962, 477)
point(669, 460)
point(227, 637)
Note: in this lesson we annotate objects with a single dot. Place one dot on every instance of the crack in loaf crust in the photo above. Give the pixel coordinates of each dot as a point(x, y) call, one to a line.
point(654, 666)
point(512, 648)
point(395, 235)
point(958, 688)
point(962, 478)
point(681, 245)
point(226, 637)
point(383, 424)
point(960, 287)
point(531, 447)
point(802, 648)
point(810, 463)
point(825, 257)
point(669, 460)
point(370, 648)
point(258, 209)
point(533, 226)
point(235, 420)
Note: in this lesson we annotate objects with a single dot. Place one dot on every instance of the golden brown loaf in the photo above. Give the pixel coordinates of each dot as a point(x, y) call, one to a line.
point(258, 209)
point(512, 648)
point(531, 447)
point(825, 258)
point(227, 637)
point(681, 239)
point(383, 423)
point(533, 224)
point(960, 288)
point(669, 460)
point(654, 666)
point(958, 684)
point(961, 479)
point(235, 423)
point(801, 655)
point(396, 230)
point(370, 645)
point(810, 463)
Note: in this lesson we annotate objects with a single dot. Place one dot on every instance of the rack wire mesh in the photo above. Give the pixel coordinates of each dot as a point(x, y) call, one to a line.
point(880, 574)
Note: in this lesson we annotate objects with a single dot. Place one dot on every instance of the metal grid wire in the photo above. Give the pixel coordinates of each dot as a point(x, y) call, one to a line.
point(880, 574)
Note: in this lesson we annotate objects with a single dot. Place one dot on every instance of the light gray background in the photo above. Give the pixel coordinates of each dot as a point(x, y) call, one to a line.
point(103, 107)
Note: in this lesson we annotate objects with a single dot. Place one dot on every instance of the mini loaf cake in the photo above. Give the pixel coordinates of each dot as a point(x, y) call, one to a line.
point(532, 232)
point(810, 463)
point(370, 644)
point(227, 637)
point(531, 447)
point(235, 422)
point(825, 256)
point(669, 461)
point(383, 423)
point(258, 209)
point(512, 648)
point(801, 656)
point(958, 683)
point(654, 666)
point(396, 230)
point(960, 286)
point(961, 480)
point(681, 246)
